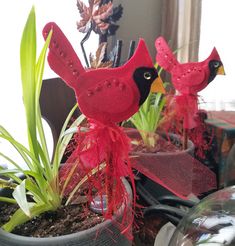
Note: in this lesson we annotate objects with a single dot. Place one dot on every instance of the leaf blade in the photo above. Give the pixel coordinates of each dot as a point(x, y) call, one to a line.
point(19, 195)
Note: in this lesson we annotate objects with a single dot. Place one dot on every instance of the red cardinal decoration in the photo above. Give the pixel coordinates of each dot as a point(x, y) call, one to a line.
point(188, 79)
point(106, 96)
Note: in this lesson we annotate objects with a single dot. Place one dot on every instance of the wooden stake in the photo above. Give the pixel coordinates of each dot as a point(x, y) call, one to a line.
point(185, 138)
point(109, 186)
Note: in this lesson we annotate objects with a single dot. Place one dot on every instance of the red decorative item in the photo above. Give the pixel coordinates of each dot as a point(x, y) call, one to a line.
point(188, 78)
point(106, 96)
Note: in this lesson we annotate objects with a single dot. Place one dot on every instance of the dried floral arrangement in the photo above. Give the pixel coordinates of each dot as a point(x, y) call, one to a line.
point(99, 16)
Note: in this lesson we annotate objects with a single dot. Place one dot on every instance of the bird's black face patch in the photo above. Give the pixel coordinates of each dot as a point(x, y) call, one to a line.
point(144, 78)
point(213, 67)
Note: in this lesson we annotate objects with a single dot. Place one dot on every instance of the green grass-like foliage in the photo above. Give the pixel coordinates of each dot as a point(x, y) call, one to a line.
point(41, 177)
point(149, 116)
point(147, 119)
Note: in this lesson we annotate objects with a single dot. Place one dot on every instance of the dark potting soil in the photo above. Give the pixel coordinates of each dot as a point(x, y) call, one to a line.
point(74, 218)
point(66, 220)
point(162, 145)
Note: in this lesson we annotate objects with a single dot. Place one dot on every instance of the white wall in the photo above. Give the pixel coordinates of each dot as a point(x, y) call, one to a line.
point(13, 15)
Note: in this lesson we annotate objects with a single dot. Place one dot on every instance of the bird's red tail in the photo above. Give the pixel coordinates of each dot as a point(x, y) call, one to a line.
point(62, 58)
point(165, 57)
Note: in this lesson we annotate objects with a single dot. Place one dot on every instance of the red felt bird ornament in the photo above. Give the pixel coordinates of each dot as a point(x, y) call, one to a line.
point(188, 79)
point(191, 77)
point(106, 96)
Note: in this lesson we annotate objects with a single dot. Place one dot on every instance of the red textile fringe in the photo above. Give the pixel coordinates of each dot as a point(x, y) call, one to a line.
point(101, 144)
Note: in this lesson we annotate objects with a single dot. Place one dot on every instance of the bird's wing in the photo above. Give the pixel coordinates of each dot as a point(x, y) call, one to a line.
point(189, 76)
point(165, 57)
point(114, 97)
point(62, 58)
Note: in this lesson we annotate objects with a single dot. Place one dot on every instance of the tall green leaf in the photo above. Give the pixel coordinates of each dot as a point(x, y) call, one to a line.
point(8, 200)
point(28, 62)
point(38, 79)
point(147, 119)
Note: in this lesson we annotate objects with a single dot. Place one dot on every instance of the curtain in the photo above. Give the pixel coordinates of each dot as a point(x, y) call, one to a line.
point(181, 21)
point(170, 12)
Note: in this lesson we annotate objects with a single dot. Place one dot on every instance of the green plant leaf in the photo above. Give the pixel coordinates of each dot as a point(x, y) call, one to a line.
point(23, 151)
point(38, 193)
point(40, 181)
point(19, 195)
point(7, 183)
point(38, 79)
point(83, 180)
point(8, 200)
point(56, 160)
point(9, 171)
point(12, 162)
point(28, 62)
point(64, 138)
point(67, 137)
point(147, 119)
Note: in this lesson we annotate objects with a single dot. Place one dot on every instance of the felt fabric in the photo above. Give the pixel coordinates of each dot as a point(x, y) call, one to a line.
point(188, 79)
point(186, 107)
point(105, 94)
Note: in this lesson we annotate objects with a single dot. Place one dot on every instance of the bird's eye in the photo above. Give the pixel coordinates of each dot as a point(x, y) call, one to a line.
point(216, 64)
point(147, 75)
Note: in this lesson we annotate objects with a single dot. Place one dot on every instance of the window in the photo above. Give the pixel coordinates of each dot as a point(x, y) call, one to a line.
point(217, 30)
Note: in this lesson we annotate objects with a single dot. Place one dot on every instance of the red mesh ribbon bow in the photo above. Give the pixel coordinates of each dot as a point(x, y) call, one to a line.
point(101, 144)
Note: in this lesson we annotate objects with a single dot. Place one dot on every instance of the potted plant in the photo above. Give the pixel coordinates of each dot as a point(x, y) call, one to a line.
point(155, 153)
point(38, 196)
point(148, 118)
point(175, 170)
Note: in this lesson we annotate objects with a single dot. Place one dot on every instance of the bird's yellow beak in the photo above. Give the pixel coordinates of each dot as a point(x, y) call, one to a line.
point(157, 86)
point(221, 70)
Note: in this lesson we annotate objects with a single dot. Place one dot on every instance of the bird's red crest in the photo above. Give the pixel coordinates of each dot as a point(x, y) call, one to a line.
point(141, 57)
point(214, 55)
